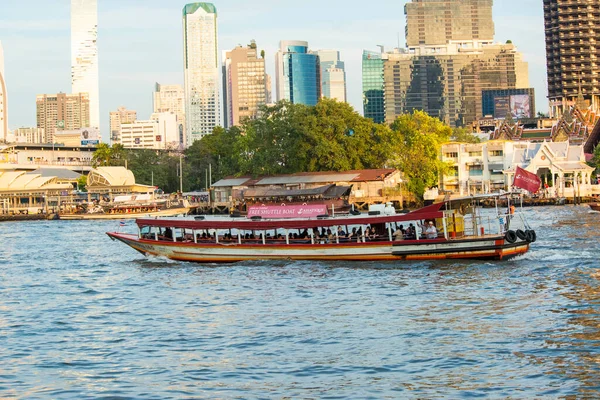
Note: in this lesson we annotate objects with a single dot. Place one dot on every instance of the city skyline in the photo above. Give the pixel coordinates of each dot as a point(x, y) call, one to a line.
point(135, 56)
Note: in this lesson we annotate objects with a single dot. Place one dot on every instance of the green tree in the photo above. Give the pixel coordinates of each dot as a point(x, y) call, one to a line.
point(81, 183)
point(464, 135)
point(417, 144)
point(106, 156)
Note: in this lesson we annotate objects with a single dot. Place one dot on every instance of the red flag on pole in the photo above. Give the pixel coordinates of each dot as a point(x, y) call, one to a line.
point(527, 180)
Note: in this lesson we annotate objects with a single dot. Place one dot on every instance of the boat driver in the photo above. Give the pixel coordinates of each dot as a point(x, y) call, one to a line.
point(431, 231)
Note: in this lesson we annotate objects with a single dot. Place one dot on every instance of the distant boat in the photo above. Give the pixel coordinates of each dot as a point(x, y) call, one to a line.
point(130, 207)
point(595, 206)
point(447, 230)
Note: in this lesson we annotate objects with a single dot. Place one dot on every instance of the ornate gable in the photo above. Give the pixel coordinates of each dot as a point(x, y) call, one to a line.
point(572, 127)
point(508, 130)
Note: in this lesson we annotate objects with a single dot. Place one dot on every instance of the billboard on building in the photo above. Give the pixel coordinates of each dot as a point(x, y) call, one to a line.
point(501, 106)
point(89, 136)
point(520, 106)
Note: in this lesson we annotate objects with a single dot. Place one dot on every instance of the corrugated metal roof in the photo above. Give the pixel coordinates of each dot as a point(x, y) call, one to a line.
point(291, 179)
point(230, 182)
point(60, 173)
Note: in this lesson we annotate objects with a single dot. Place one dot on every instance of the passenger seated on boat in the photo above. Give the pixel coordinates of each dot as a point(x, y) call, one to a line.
point(431, 231)
point(168, 233)
point(304, 234)
point(410, 232)
point(398, 235)
point(372, 234)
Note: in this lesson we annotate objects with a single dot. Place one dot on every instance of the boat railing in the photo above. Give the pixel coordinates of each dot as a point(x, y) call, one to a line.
point(480, 225)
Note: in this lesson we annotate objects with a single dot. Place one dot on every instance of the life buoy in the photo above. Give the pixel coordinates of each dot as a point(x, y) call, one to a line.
point(282, 204)
point(511, 236)
point(521, 234)
point(531, 236)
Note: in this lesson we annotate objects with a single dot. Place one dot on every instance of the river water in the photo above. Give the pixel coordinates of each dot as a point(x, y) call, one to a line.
point(82, 316)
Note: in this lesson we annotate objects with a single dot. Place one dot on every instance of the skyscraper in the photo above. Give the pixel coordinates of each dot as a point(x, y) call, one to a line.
point(298, 73)
point(244, 84)
point(171, 99)
point(333, 74)
point(572, 37)
point(432, 22)
point(373, 85)
point(201, 70)
point(3, 99)
point(60, 112)
point(84, 54)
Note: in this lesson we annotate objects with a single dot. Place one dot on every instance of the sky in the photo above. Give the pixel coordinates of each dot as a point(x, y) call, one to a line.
point(140, 42)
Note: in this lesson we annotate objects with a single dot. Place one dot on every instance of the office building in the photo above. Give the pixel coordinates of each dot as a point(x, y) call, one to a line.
point(3, 100)
point(373, 85)
point(244, 84)
point(159, 132)
point(84, 54)
point(30, 135)
point(572, 36)
point(333, 74)
point(201, 70)
point(444, 73)
point(171, 99)
point(59, 112)
point(435, 22)
point(297, 73)
point(121, 116)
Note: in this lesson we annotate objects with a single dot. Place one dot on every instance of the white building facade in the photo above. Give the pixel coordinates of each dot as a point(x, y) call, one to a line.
point(201, 70)
point(171, 99)
point(3, 99)
point(30, 135)
point(490, 166)
point(84, 54)
point(160, 132)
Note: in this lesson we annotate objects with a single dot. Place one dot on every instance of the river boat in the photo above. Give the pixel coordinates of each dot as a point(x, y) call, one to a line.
point(308, 233)
point(129, 207)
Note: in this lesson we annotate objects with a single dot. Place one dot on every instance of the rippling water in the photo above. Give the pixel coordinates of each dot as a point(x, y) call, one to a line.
point(84, 317)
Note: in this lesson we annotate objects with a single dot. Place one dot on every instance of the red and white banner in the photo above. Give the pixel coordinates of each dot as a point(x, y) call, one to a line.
point(303, 211)
point(527, 180)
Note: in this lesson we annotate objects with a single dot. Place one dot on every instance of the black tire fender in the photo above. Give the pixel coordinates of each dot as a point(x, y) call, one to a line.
point(531, 236)
point(521, 234)
point(511, 236)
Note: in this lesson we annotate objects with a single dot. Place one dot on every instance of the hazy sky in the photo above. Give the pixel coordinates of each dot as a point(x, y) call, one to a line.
point(140, 43)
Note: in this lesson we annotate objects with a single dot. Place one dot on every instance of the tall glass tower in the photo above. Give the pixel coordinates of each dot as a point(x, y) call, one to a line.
point(84, 54)
point(201, 70)
point(373, 86)
point(3, 99)
point(298, 73)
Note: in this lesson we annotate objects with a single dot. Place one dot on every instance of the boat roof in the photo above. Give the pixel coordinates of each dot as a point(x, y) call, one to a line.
point(430, 212)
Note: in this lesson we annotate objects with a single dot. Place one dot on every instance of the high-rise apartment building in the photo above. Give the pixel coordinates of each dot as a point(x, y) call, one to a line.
point(171, 99)
point(3, 99)
point(441, 72)
point(117, 118)
point(298, 73)
point(333, 74)
point(244, 84)
point(59, 112)
point(201, 70)
point(84, 54)
point(433, 22)
point(572, 44)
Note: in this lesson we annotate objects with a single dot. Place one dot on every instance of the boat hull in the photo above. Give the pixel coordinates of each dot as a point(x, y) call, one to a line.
point(477, 248)
point(171, 212)
point(595, 206)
